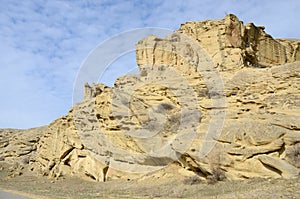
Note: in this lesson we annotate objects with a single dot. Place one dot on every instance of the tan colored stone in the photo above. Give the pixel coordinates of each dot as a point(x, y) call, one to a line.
point(285, 169)
point(118, 132)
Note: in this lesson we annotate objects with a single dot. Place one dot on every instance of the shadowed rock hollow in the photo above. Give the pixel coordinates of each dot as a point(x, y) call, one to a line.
point(214, 73)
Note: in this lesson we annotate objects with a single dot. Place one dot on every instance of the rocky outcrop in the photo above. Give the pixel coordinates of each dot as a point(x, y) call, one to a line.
point(231, 43)
point(19, 145)
point(216, 98)
point(261, 78)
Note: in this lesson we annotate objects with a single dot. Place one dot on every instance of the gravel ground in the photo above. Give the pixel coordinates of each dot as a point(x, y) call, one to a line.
point(71, 187)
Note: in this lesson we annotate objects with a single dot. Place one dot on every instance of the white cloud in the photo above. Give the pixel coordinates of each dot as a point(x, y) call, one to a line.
point(43, 43)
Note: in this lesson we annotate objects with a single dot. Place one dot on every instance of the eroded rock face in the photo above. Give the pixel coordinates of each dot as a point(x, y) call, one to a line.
point(261, 82)
point(218, 74)
point(232, 44)
point(19, 145)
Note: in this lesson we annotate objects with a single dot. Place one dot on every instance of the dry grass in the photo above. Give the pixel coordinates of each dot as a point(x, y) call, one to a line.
point(74, 188)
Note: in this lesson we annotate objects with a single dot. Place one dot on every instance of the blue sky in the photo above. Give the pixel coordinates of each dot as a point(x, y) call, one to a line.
point(43, 43)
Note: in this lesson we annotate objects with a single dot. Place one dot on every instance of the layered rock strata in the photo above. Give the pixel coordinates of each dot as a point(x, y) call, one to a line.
point(214, 97)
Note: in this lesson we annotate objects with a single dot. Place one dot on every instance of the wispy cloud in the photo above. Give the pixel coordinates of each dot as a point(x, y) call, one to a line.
point(43, 43)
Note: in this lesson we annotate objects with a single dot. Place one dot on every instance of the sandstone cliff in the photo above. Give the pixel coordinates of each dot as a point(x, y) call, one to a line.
point(215, 98)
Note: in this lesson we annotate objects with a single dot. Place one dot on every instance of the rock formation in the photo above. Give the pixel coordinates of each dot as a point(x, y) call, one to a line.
point(216, 97)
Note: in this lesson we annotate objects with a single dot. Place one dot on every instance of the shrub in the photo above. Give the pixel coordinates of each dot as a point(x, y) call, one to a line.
point(216, 175)
point(192, 180)
point(293, 155)
point(25, 160)
point(167, 106)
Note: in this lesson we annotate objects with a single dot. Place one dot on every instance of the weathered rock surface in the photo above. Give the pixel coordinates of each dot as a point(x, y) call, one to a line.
point(19, 145)
point(219, 86)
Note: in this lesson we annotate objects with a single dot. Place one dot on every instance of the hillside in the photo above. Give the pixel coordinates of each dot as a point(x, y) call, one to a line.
point(218, 99)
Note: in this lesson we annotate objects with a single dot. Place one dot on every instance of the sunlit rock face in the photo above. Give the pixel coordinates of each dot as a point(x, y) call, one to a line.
point(215, 95)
